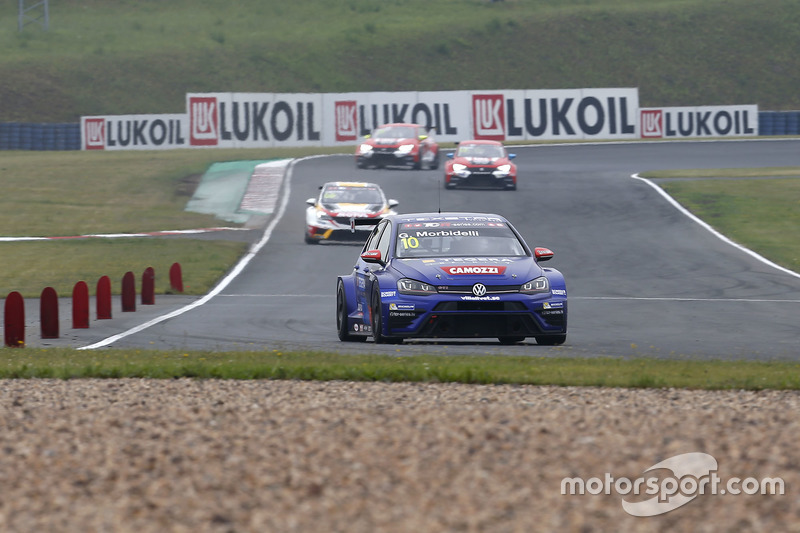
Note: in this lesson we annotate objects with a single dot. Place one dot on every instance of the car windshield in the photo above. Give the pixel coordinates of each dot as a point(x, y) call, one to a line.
point(457, 240)
point(480, 150)
point(338, 194)
point(394, 132)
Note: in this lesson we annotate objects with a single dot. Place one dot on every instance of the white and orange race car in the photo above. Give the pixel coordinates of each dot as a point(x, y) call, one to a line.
point(341, 209)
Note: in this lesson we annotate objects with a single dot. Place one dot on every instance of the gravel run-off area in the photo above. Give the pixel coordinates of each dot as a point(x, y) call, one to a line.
point(135, 455)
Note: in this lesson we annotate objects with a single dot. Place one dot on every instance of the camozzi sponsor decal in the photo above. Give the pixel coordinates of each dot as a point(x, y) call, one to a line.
point(465, 270)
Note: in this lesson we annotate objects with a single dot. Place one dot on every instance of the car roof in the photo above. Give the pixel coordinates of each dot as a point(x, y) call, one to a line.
point(480, 141)
point(447, 217)
point(406, 124)
point(350, 184)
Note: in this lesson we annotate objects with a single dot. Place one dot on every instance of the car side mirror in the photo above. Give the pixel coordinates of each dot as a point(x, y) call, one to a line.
point(393, 203)
point(372, 256)
point(311, 201)
point(542, 254)
point(423, 137)
point(512, 156)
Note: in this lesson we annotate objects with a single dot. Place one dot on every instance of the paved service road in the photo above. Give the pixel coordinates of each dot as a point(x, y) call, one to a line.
point(643, 278)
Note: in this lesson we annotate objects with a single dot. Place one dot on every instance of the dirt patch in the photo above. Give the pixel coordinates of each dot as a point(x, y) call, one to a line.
point(187, 185)
point(224, 456)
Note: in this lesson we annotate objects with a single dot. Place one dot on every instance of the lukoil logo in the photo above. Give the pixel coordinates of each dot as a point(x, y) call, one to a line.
point(346, 127)
point(693, 474)
point(652, 123)
point(488, 116)
point(95, 133)
point(204, 123)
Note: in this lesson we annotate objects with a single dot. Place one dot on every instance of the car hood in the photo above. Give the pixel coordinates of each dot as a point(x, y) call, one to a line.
point(349, 210)
point(488, 161)
point(469, 270)
point(391, 141)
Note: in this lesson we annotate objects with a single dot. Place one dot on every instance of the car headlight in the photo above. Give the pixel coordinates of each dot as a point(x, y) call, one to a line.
point(539, 285)
point(404, 149)
point(414, 287)
point(460, 170)
point(364, 149)
point(502, 171)
point(322, 215)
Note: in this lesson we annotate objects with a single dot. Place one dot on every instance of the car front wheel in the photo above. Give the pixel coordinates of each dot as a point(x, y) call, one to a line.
point(551, 340)
point(510, 340)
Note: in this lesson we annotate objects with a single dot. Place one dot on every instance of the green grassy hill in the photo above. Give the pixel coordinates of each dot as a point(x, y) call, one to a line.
point(142, 56)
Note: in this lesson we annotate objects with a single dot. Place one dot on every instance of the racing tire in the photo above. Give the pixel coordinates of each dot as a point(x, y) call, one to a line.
point(309, 240)
point(436, 161)
point(551, 340)
point(510, 340)
point(341, 317)
point(449, 186)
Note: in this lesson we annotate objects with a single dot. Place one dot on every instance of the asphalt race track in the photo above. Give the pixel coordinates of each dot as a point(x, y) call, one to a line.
point(643, 278)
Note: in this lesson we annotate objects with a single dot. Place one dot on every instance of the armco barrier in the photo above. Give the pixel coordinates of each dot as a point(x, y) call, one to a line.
point(33, 136)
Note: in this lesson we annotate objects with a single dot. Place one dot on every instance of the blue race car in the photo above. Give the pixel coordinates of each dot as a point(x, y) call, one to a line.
point(451, 275)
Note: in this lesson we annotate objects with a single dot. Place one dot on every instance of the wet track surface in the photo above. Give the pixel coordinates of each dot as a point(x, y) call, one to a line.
point(643, 279)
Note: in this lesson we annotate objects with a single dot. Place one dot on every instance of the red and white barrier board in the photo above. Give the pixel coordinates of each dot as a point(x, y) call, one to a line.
point(134, 132)
point(706, 121)
point(263, 120)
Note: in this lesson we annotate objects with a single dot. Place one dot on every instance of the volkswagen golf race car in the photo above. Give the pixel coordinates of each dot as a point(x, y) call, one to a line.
point(398, 144)
point(451, 275)
point(480, 164)
point(333, 215)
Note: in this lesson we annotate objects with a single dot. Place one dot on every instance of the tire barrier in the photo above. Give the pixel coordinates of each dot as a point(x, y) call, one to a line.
point(48, 313)
point(14, 308)
point(176, 277)
point(80, 306)
point(128, 293)
point(14, 320)
point(103, 298)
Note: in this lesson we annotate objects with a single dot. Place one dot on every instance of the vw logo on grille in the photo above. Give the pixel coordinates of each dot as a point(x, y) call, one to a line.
point(479, 289)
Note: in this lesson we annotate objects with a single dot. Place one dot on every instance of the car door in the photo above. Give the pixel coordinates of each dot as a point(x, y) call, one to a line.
point(364, 274)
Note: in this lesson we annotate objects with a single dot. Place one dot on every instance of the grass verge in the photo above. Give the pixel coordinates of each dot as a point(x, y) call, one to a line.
point(758, 208)
point(61, 363)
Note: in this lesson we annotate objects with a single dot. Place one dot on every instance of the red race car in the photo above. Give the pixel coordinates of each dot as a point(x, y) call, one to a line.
point(482, 165)
point(398, 145)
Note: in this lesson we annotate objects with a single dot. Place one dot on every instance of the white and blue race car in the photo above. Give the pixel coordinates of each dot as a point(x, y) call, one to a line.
point(330, 216)
point(451, 275)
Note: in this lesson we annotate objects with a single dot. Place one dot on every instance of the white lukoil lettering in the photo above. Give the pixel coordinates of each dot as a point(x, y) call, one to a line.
point(488, 120)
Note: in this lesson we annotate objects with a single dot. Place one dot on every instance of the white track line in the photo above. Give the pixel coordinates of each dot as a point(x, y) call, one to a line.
point(714, 232)
point(225, 281)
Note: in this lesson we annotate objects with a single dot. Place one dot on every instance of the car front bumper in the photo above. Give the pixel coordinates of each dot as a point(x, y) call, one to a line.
point(469, 317)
